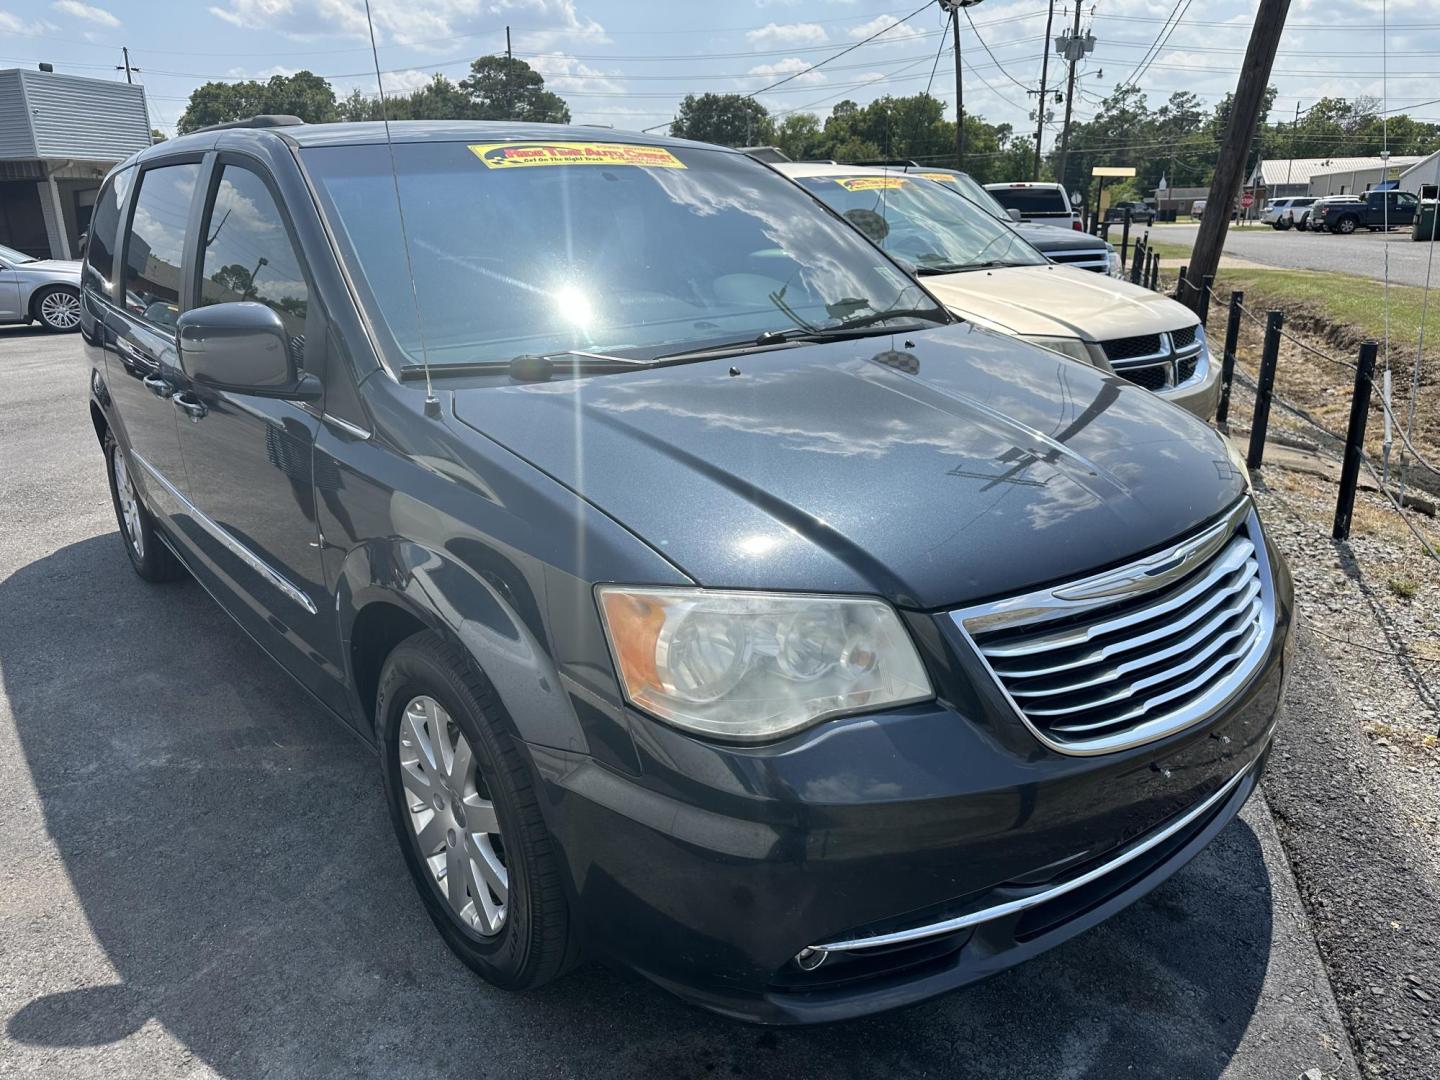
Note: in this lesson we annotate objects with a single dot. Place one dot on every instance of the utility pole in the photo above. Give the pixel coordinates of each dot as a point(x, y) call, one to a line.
point(125, 67)
point(1073, 47)
point(1044, 73)
point(955, 7)
point(509, 76)
point(1239, 134)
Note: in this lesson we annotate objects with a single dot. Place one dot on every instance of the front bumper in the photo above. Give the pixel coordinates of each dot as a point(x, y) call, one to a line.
point(715, 867)
point(1200, 396)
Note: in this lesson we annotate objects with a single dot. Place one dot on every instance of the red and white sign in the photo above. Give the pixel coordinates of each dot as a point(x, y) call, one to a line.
point(1247, 200)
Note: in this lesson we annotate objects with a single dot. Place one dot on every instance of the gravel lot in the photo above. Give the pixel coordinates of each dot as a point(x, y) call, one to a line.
point(1361, 253)
point(197, 877)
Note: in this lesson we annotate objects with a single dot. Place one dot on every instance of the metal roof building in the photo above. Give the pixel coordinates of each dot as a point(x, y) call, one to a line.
point(1291, 176)
point(59, 136)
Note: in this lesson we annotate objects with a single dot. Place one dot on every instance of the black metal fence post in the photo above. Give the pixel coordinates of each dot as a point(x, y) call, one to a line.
point(1354, 442)
point(1227, 363)
point(1140, 264)
point(1124, 232)
point(1180, 285)
point(1206, 287)
point(1155, 272)
point(1265, 390)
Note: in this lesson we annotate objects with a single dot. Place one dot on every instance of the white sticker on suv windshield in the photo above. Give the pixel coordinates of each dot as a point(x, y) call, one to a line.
point(524, 155)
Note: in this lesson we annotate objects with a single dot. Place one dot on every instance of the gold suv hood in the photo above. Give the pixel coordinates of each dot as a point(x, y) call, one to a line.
point(1058, 301)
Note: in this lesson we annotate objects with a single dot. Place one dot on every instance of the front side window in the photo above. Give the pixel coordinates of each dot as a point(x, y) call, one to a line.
point(100, 243)
point(932, 227)
point(248, 254)
point(608, 248)
point(155, 243)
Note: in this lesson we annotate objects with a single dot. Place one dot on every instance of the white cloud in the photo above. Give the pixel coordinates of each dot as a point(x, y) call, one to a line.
point(16, 25)
point(901, 32)
point(86, 11)
point(789, 66)
point(566, 75)
point(402, 82)
point(787, 34)
point(428, 23)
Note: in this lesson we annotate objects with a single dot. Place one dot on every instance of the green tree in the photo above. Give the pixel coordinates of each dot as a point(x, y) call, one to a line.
point(724, 119)
point(499, 88)
point(799, 136)
point(303, 94)
point(439, 99)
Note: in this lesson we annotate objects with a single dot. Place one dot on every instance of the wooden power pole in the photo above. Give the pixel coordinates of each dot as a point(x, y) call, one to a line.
point(1074, 58)
point(1234, 150)
point(1044, 73)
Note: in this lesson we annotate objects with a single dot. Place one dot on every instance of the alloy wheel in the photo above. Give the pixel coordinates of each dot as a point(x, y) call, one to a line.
point(129, 502)
point(453, 817)
point(61, 310)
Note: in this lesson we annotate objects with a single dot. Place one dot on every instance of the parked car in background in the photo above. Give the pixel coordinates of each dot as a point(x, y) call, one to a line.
point(1139, 212)
point(1060, 245)
point(1197, 208)
point(1048, 204)
point(712, 598)
point(44, 291)
point(989, 275)
point(1281, 213)
point(1375, 210)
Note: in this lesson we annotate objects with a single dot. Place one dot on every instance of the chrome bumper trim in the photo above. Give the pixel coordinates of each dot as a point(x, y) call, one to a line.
point(220, 533)
point(1012, 907)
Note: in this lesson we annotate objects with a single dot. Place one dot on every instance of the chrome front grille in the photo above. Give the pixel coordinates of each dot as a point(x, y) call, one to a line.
point(1137, 653)
point(1158, 361)
point(1095, 259)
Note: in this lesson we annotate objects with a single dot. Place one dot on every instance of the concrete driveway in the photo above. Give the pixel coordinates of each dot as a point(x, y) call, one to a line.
point(197, 877)
point(1362, 253)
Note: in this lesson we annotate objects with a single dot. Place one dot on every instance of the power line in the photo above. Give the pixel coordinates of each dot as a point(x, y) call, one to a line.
point(990, 54)
point(1161, 40)
point(864, 41)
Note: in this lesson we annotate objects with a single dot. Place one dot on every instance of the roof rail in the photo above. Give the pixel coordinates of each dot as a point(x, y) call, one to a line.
point(772, 154)
point(893, 163)
point(265, 120)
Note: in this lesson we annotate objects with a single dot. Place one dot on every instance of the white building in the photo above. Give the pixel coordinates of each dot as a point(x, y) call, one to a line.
point(1422, 178)
point(1297, 176)
point(59, 136)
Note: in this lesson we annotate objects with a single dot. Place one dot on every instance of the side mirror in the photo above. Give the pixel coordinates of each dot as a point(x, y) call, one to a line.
point(242, 347)
point(1015, 215)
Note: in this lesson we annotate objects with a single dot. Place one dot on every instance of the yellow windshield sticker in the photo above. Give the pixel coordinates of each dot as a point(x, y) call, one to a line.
point(938, 177)
point(524, 155)
point(870, 183)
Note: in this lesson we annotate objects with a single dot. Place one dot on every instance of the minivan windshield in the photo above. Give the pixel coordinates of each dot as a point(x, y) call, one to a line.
point(933, 227)
point(540, 248)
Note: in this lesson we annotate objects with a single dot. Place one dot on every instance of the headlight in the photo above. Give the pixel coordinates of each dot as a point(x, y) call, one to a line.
point(1112, 264)
point(1071, 347)
point(753, 666)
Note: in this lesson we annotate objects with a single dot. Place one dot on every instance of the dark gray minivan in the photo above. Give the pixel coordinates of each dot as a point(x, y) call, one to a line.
point(712, 598)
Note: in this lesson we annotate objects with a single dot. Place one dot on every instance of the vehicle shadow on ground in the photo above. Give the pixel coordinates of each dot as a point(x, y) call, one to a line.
point(228, 843)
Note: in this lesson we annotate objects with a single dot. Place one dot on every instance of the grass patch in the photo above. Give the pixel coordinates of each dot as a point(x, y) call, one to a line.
point(1403, 587)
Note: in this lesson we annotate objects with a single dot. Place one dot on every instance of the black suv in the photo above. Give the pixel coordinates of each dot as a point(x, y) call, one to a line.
point(710, 596)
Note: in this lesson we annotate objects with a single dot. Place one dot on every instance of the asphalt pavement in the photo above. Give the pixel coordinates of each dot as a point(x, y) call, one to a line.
point(197, 876)
point(1363, 253)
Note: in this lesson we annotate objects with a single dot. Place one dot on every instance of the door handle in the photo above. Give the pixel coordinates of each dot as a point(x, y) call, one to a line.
point(190, 405)
point(135, 356)
point(158, 386)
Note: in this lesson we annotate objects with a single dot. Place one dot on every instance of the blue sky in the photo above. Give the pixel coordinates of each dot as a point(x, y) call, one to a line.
point(627, 64)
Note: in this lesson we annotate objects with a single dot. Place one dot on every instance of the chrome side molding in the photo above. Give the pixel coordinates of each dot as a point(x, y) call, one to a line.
point(220, 533)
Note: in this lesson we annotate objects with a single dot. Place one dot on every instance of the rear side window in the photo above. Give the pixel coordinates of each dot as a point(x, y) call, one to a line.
point(249, 256)
point(155, 244)
point(100, 244)
point(1032, 200)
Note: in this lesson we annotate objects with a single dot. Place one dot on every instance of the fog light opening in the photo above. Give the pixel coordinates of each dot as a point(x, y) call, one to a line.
point(808, 958)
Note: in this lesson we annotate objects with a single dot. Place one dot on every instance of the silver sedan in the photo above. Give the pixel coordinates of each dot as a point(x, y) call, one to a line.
point(46, 291)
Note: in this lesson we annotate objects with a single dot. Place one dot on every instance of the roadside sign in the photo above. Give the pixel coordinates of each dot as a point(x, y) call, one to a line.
point(1247, 200)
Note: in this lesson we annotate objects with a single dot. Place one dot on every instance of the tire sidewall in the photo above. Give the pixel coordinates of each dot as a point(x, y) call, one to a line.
point(148, 539)
point(408, 674)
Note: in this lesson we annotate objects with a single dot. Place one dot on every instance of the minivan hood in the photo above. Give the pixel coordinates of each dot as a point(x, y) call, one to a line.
point(961, 465)
point(1058, 301)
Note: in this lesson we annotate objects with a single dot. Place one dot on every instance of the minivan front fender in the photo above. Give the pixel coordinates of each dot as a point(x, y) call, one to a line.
point(442, 593)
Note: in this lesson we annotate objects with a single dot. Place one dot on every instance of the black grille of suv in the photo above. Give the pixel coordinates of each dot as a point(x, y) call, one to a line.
point(1184, 338)
point(1151, 376)
point(1131, 347)
point(1135, 653)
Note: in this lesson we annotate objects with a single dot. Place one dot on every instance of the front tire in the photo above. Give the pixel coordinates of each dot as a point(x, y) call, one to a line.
point(463, 803)
point(57, 309)
point(1345, 226)
point(148, 554)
